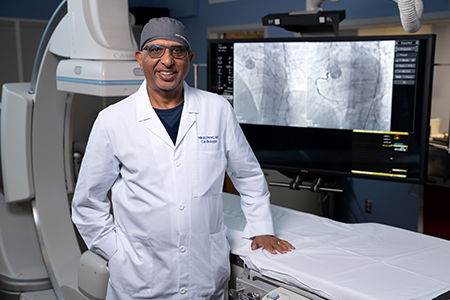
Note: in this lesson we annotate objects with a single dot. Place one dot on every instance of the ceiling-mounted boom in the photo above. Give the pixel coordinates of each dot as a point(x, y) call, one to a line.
point(411, 12)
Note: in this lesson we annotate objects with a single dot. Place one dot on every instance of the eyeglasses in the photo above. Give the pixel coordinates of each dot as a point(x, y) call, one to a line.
point(157, 51)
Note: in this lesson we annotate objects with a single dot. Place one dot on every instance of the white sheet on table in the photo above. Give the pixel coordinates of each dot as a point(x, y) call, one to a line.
point(346, 261)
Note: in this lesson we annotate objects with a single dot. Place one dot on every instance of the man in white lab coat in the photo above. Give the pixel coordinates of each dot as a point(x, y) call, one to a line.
point(163, 152)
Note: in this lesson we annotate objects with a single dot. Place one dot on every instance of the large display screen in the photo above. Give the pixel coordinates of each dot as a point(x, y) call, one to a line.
point(342, 106)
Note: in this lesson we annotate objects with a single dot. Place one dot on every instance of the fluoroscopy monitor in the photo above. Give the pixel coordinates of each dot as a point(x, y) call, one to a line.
point(340, 106)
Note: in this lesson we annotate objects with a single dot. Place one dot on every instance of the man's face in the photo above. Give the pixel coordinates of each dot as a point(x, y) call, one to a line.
point(166, 73)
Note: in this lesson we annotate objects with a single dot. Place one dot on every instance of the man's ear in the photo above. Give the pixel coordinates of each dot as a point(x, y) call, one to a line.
point(138, 55)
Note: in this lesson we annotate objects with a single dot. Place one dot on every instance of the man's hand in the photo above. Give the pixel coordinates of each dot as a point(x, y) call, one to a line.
point(271, 244)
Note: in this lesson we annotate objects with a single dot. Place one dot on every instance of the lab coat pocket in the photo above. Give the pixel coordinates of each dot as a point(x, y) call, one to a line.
point(220, 250)
point(209, 172)
point(131, 267)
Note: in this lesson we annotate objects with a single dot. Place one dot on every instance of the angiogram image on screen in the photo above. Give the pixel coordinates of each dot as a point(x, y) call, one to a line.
point(338, 85)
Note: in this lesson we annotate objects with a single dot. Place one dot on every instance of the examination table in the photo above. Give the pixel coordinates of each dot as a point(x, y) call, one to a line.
point(334, 260)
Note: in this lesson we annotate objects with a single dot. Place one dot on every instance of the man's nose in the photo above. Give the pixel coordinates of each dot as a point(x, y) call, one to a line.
point(167, 58)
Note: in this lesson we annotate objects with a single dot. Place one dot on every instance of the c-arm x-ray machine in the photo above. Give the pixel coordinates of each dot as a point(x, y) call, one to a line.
point(87, 49)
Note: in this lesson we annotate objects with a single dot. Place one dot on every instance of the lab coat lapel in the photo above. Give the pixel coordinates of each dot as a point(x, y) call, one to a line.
point(189, 115)
point(146, 113)
point(155, 125)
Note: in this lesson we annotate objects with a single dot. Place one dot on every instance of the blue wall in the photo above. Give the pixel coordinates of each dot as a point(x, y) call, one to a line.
point(40, 10)
point(395, 204)
point(227, 13)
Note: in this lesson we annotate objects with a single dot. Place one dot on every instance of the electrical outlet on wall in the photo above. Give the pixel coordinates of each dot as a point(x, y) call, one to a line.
point(369, 204)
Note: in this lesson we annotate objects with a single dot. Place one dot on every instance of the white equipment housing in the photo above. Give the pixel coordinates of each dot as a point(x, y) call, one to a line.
point(98, 78)
point(15, 128)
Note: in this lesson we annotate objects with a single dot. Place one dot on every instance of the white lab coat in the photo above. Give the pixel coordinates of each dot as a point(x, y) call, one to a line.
point(167, 238)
